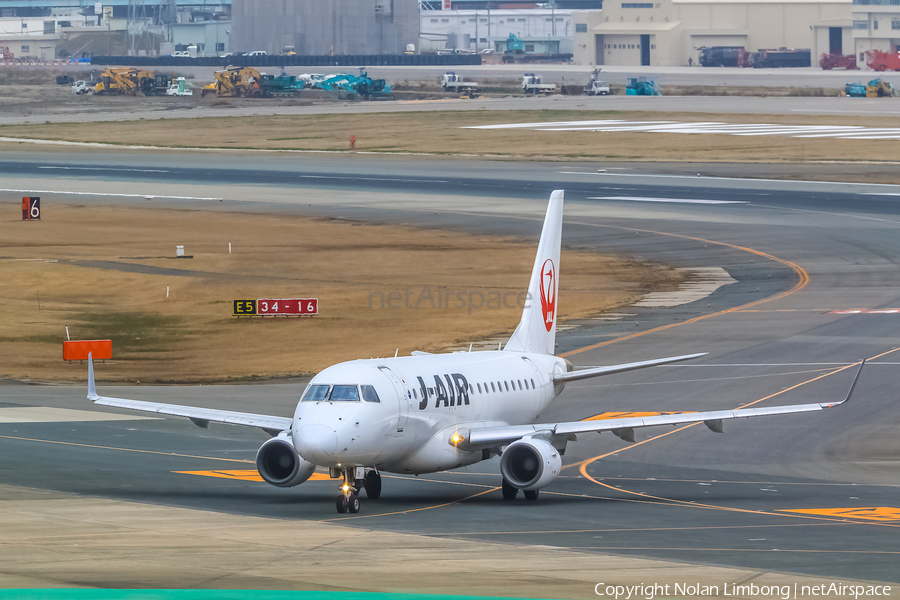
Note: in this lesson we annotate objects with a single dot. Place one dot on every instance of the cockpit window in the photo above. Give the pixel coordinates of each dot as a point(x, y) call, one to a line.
point(316, 393)
point(369, 394)
point(344, 393)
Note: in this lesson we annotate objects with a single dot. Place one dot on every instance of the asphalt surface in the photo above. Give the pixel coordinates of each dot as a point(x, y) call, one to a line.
point(799, 251)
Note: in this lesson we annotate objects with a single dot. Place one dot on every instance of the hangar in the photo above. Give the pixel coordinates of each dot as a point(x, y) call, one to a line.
point(668, 32)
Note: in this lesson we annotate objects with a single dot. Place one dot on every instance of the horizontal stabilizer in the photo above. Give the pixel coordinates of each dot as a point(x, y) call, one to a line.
point(598, 371)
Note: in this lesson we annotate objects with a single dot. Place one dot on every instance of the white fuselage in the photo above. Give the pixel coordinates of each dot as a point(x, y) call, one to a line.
point(423, 400)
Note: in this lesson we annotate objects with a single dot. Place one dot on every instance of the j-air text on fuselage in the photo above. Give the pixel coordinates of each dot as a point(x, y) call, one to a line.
point(433, 412)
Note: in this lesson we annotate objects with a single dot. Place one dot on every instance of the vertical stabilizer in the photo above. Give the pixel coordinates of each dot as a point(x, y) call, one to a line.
point(537, 329)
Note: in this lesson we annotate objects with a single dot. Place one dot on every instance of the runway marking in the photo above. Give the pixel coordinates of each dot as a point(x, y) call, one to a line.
point(850, 132)
point(412, 510)
point(245, 475)
point(800, 271)
point(867, 311)
point(47, 414)
point(639, 529)
point(873, 513)
point(25, 439)
point(670, 200)
point(585, 463)
point(105, 194)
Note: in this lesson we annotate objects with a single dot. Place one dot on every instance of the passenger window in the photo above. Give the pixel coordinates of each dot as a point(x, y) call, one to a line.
point(520, 384)
point(344, 393)
point(532, 384)
point(492, 387)
point(369, 394)
point(479, 388)
point(507, 385)
point(316, 393)
point(499, 386)
point(415, 395)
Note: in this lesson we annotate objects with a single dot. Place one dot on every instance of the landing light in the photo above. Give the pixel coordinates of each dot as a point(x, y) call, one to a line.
point(345, 487)
point(456, 438)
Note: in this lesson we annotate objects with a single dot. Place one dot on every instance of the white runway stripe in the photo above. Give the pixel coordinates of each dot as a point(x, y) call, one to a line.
point(672, 200)
point(853, 132)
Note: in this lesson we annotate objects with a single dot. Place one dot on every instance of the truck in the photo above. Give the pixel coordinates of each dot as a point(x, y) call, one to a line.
point(838, 61)
point(596, 86)
point(534, 84)
point(883, 61)
point(451, 82)
point(82, 87)
point(178, 87)
point(719, 56)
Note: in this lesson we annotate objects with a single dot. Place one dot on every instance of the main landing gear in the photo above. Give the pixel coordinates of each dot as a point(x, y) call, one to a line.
point(510, 492)
point(354, 479)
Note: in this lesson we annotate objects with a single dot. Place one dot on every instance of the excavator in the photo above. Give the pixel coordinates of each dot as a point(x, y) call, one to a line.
point(234, 81)
point(121, 81)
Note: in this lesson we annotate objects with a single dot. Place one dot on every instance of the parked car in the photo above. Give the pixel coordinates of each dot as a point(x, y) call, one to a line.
point(257, 53)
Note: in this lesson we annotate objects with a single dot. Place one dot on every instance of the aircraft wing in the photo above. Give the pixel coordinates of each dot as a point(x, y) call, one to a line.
point(201, 417)
point(598, 371)
point(486, 437)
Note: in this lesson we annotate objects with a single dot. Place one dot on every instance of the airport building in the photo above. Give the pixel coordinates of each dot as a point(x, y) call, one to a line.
point(541, 30)
point(321, 28)
point(669, 32)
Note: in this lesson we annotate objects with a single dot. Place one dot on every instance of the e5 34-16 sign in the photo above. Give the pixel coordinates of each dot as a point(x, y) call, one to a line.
point(282, 306)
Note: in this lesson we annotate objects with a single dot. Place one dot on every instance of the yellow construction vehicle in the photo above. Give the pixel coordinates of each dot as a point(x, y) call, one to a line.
point(125, 81)
point(234, 81)
point(880, 89)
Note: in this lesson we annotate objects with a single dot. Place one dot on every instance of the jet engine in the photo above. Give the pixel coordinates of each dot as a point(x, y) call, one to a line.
point(530, 464)
point(279, 464)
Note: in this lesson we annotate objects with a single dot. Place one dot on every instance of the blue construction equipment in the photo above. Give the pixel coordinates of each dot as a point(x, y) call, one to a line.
point(641, 86)
point(352, 87)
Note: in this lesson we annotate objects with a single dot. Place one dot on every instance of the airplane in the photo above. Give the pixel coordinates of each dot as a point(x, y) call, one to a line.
point(426, 413)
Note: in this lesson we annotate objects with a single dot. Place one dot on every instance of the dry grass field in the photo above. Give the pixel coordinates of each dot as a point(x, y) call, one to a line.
point(441, 133)
point(76, 268)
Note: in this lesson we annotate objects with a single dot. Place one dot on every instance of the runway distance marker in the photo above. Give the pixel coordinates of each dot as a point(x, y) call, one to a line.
point(871, 513)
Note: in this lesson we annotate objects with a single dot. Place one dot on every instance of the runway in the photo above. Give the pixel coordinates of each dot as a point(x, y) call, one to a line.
point(807, 495)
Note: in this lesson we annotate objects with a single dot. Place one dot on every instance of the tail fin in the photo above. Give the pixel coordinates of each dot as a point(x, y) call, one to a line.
point(537, 329)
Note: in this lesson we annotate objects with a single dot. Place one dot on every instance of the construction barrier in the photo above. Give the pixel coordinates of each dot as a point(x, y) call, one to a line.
point(79, 349)
point(277, 60)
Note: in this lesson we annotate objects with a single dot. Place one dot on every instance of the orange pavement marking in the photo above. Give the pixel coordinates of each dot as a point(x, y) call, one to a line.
point(244, 475)
point(870, 513)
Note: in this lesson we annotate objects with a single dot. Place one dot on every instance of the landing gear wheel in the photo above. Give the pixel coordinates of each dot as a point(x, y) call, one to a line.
point(353, 503)
point(531, 494)
point(373, 485)
point(509, 492)
point(342, 504)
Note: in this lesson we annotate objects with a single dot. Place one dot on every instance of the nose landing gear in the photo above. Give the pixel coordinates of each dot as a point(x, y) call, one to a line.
point(348, 499)
point(354, 479)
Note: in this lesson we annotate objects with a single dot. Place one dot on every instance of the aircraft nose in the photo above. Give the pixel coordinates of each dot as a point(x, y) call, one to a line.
point(318, 443)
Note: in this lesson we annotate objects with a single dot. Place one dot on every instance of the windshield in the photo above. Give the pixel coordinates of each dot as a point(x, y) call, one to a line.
point(316, 393)
point(369, 394)
point(344, 393)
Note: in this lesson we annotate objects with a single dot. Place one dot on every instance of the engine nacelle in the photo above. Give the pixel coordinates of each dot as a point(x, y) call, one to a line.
point(279, 464)
point(530, 464)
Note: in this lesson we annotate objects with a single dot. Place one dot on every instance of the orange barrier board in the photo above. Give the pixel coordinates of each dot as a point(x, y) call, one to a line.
point(79, 349)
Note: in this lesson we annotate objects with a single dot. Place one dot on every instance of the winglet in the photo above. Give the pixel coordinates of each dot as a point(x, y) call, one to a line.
point(852, 387)
point(92, 389)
